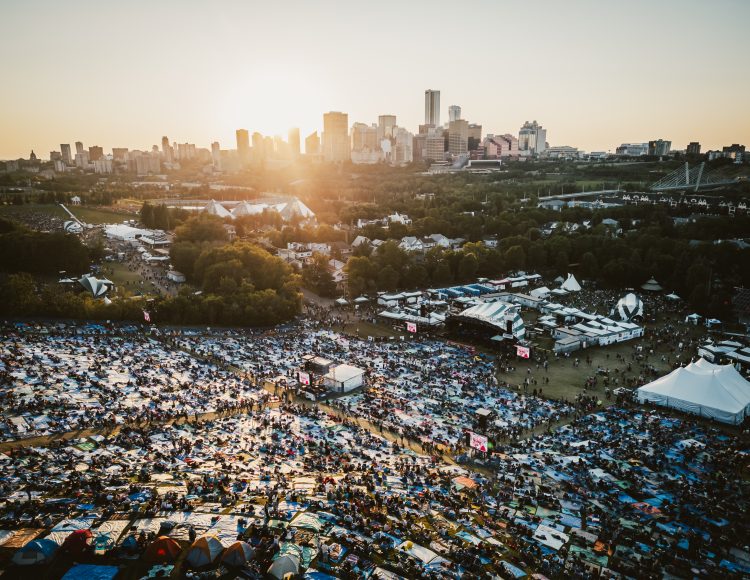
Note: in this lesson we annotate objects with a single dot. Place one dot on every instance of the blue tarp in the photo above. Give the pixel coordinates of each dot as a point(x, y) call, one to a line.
point(91, 572)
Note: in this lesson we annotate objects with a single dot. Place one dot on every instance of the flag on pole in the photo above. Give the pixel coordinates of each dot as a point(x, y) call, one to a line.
point(146, 316)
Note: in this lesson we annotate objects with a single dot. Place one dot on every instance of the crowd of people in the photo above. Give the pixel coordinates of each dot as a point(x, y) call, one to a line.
point(423, 389)
point(199, 458)
point(89, 378)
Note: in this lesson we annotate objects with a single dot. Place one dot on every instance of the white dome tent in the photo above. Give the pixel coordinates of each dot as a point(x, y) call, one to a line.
point(718, 392)
point(628, 307)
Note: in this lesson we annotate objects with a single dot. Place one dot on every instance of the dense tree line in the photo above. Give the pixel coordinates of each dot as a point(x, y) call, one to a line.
point(704, 274)
point(23, 250)
point(21, 295)
point(317, 277)
point(240, 283)
point(161, 217)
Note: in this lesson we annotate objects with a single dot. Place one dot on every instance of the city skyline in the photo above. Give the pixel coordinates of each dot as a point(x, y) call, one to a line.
point(591, 87)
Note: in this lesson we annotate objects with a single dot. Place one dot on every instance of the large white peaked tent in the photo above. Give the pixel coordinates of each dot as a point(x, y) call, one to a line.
point(715, 391)
point(571, 284)
point(628, 307)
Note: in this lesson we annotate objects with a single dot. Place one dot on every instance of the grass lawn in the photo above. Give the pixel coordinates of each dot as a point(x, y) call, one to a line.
point(566, 380)
point(364, 329)
point(119, 273)
point(100, 216)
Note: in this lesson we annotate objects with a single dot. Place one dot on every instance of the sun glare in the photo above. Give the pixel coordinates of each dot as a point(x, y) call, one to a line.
point(272, 99)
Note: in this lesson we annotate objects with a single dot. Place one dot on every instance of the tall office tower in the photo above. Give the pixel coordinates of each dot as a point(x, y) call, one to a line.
point(312, 144)
point(258, 152)
point(119, 153)
point(693, 148)
point(365, 137)
point(216, 155)
point(55, 156)
point(336, 137)
point(281, 148)
point(418, 146)
point(243, 145)
point(454, 113)
point(293, 140)
point(386, 127)
point(79, 148)
point(458, 137)
point(403, 151)
point(475, 136)
point(532, 138)
point(434, 146)
point(166, 149)
point(95, 153)
point(432, 107)
point(65, 151)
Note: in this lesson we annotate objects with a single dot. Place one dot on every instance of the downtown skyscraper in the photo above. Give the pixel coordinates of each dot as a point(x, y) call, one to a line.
point(432, 107)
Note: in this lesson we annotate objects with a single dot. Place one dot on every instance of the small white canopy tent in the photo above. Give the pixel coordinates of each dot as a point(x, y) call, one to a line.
point(571, 284)
point(718, 392)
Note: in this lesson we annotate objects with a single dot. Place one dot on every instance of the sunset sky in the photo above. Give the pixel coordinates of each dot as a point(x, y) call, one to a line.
point(593, 73)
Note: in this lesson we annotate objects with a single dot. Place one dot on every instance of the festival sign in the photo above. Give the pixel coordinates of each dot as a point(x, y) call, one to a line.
point(477, 441)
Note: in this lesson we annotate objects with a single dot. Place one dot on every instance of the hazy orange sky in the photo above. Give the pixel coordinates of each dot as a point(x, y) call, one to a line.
point(595, 73)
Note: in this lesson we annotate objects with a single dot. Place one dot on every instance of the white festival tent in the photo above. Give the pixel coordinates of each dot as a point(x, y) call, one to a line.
point(628, 307)
point(571, 284)
point(702, 388)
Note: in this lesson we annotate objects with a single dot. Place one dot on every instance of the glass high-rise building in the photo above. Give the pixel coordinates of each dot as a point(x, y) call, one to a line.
point(432, 107)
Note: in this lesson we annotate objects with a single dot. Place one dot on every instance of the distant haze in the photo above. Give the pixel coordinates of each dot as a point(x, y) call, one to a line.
point(593, 73)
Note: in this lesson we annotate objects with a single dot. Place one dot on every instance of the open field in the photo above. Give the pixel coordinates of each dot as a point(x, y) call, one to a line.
point(119, 273)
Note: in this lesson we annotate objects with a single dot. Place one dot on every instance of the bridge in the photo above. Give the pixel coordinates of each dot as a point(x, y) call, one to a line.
point(695, 178)
point(582, 194)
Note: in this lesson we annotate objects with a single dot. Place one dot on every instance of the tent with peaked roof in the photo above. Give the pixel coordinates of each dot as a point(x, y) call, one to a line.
point(204, 551)
point(652, 286)
point(571, 284)
point(97, 287)
point(286, 564)
point(702, 388)
point(238, 554)
point(628, 307)
point(162, 549)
